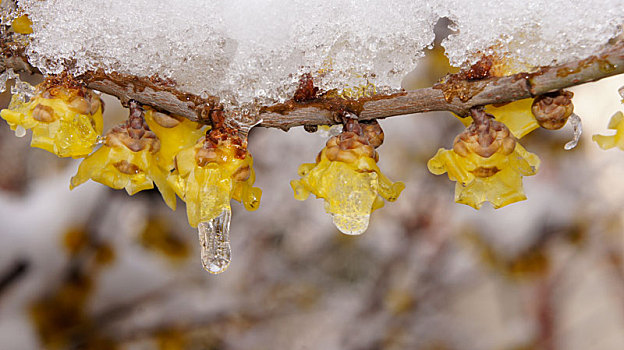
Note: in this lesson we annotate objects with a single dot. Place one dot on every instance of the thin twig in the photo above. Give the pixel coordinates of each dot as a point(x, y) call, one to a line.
point(163, 94)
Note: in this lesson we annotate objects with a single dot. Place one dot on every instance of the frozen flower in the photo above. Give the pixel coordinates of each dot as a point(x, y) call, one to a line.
point(64, 116)
point(210, 173)
point(346, 175)
point(487, 162)
point(175, 134)
point(127, 159)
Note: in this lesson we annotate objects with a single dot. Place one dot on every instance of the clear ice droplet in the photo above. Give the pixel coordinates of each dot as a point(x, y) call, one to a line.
point(20, 131)
point(214, 238)
point(352, 225)
point(577, 125)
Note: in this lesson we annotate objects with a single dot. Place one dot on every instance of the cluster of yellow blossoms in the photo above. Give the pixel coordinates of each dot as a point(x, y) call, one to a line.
point(346, 175)
point(65, 117)
point(487, 161)
point(207, 167)
point(127, 159)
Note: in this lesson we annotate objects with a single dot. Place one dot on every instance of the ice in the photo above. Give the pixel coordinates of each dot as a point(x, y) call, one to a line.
point(352, 225)
point(20, 131)
point(22, 91)
point(326, 131)
point(577, 126)
point(5, 77)
point(531, 33)
point(253, 52)
point(8, 12)
point(214, 239)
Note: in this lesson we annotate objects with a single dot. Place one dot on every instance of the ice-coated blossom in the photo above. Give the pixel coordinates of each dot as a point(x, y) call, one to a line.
point(127, 160)
point(487, 163)
point(347, 177)
point(65, 117)
point(175, 134)
point(615, 123)
point(210, 173)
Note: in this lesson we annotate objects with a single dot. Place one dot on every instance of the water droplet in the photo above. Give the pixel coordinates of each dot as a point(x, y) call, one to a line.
point(214, 238)
point(351, 224)
point(4, 77)
point(576, 123)
point(20, 131)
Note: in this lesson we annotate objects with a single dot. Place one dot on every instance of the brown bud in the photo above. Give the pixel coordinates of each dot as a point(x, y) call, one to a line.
point(95, 103)
point(136, 133)
point(485, 172)
point(332, 142)
point(346, 156)
point(127, 167)
point(373, 132)
point(242, 174)
point(331, 153)
point(310, 128)
point(205, 156)
point(165, 120)
point(485, 139)
point(460, 147)
point(80, 105)
point(553, 109)
point(121, 136)
point(44, 114)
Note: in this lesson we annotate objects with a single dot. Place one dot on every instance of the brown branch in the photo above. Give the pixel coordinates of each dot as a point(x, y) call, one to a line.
point(452, 95)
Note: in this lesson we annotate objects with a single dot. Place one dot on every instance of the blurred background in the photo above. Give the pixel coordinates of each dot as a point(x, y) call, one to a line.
point(97, 269)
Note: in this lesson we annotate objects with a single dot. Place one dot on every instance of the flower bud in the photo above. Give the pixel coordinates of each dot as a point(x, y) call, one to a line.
point(553, 109)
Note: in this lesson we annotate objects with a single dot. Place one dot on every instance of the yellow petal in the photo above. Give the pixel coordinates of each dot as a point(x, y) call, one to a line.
point(617, 140)
point(517, 116)
point(502, 188)
point(65, 132)
point(351, 190)
point(22, 25)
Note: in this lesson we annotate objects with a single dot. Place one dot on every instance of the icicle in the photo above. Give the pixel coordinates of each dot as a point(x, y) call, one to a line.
point(214, 238)
point(20, 131)
point(6, 76)
point(21, 90)
point(621, 92)
point(576, 123)
point(352, 225)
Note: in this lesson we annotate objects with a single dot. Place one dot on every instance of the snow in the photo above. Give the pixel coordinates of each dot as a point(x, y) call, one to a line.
point(253, 52)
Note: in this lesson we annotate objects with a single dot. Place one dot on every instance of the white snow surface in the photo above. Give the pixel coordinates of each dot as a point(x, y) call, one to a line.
point(250, 51)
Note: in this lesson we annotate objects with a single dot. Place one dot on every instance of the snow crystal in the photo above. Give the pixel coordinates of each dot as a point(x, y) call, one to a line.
point(255, 51)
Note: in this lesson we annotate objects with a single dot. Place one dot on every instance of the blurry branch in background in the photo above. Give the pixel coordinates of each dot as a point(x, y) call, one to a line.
point(14, 273)
point(456, 93)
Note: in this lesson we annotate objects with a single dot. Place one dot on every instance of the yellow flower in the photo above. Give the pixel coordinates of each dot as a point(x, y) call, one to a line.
point(550, 111)
point(127, 160)
point(517, 116)
point(210, 173)
point(346, 175)
point(488, 165)
point(175, 134)
point(616, 123)
point(22, 25)
point(65, 118)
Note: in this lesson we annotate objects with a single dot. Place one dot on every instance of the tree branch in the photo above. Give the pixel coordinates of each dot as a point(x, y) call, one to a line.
point(454, 95)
